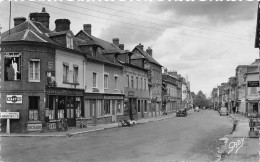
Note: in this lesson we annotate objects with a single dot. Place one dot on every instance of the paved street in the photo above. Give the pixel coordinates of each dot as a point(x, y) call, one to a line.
point(184, 138)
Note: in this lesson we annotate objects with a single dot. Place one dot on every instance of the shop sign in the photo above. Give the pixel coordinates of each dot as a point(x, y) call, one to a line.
point(130, 93)
point(52, 126)
point(34, 127)
point(114, 97)
point(252, 83)
point(14, 99)
point(9, 115)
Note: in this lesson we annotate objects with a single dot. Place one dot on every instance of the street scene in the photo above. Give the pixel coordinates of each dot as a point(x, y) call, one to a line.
point(129, 81)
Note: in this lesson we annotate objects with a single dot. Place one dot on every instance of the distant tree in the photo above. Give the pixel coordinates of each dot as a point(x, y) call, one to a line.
point(201, 100)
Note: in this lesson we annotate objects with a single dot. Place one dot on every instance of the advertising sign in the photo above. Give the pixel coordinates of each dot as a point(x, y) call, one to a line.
point(14, 99)
point(253, 84)
point(9, 115)
point(34, 127)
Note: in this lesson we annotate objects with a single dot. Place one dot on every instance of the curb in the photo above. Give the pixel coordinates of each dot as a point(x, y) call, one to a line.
point(75, 133)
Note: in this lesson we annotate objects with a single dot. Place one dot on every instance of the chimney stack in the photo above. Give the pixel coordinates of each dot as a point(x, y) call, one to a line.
point(121, 46)
point(116, 41)
point(149, 51)
point(43, 17)
point(62, 25)
point(140, 46)
point(19, 20)
point(87, 28)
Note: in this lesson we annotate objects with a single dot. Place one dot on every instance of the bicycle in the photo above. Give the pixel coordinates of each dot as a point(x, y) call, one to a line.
point(62, 125)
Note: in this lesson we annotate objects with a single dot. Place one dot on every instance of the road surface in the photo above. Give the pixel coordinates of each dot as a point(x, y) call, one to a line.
point(189, 138)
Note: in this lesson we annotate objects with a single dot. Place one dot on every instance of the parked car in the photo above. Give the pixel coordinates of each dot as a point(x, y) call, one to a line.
point(197, 109)
point(223, 111)
point(182, 113)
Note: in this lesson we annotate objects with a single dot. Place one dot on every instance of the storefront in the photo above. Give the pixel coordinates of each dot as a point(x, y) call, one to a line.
point(64, 103)
point(113, 107)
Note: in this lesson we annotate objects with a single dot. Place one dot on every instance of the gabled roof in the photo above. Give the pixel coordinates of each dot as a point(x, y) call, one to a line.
point(147, 56)
point(27, 31)
point(108, 48)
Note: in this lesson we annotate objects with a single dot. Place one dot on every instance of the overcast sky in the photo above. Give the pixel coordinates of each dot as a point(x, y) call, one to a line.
point(204, 41)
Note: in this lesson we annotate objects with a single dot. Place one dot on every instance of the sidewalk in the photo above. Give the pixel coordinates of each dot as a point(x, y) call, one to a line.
point(75, 130)
point(239, 146)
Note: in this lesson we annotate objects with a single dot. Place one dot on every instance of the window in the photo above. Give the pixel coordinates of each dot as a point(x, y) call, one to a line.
point(107, 107)
point(141, 83)
point(127, 81)
point(145, 106)
point(70, 108)
point(75, 73)
point(116, 78)
point(34, 107)
point(136, 82)
point(119, 107)
point(12, 69)
point(106, 81)
point(61, 107)
point(65, 72)
point(69, 40)
point(87, 108)
point(94, 79)
point(34, 70)
point(52, 107)
point(144, 83)
point(99, 108)
point(78, 107)
point(253, 90)
point(132, 81)
point(139, 106)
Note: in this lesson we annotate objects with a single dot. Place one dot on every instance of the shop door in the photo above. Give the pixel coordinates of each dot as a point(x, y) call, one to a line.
point(113, 111)
point(70, 112)
point(93, 110)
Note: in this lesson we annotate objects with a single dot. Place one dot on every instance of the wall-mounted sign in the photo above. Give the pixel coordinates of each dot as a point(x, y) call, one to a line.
point(252, 83)
point(14, 99)
point(130, 93)
point(52, 126)
point(34, 127)
point(9, 115)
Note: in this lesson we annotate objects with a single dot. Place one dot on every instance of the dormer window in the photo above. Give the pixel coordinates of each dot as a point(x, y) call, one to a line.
point(69, 40)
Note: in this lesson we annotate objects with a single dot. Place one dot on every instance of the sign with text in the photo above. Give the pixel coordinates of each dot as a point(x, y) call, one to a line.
point(253, 84)
point(14, 99)
point(9, 115)
point(34, 127)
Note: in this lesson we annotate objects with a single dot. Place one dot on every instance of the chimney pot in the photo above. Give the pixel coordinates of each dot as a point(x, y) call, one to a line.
point(121, 46)
point(87, 28)
point(19, 20)
point(141, 46)
point(149, 51)
point(62, 25)
point(116, 41)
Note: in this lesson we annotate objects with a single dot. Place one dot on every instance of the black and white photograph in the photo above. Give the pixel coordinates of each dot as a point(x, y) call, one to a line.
point(129, 81)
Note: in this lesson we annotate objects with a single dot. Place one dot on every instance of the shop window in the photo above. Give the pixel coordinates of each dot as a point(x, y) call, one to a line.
point(139, 106)
point(65, 72)
point(253, 90)
point(12, 69)
point(78, 107)
point(145, 105)
point(75, 73)
point(69, 40)
point(94, 79)
point(107, 107)
point(52, 101)
point(34, 70)
point(61, 107)
point(99, 108)
point(106, 81)
point(119, 106)
point(34, 107)
point(87, 108)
